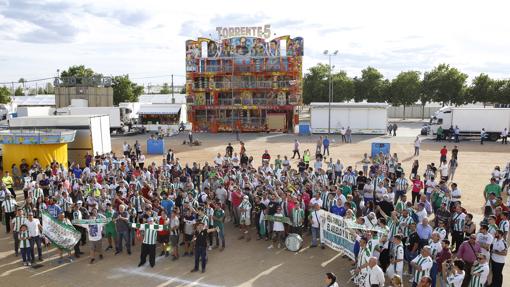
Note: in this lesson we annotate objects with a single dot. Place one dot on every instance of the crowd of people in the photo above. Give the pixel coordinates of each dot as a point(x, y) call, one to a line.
point(181, 209)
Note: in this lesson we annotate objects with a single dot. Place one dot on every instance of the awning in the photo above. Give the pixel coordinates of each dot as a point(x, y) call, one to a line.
point(159, 109)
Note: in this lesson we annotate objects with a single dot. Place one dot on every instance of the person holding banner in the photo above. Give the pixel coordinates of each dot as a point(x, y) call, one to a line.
point(94, 228)
point(64, 222)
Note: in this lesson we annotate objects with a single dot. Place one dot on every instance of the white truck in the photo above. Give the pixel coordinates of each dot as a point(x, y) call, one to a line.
point(92, 132)
point(119, 117)
point(362, 118)
point(470, 121)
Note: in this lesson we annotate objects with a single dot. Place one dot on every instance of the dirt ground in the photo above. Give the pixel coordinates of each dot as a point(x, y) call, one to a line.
point(251, 263)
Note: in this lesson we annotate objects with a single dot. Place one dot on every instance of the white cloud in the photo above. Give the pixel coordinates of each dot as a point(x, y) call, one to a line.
point(145, 38)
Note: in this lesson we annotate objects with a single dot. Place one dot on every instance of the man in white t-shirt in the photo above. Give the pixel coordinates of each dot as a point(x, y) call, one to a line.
point(94, 231)
point(484, 238)
point(499, 252)
point(375, 275)
point(34, 234)
point(218, 160)
point(417, 144)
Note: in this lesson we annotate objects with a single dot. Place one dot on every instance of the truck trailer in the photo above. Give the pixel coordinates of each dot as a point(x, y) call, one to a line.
point(361, 118)
point(470, 121)
point(119, 116)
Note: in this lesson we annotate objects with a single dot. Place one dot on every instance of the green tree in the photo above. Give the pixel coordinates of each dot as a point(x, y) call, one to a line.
point(165, 90)
point(315, 84)
point(40, 91)
point(481, 89)
point(22, 81)
point(49, 89)
point(343, 87)
point(183, 90)
point(370, 86)
point(79, 72)
point(445, 84)
point(124, 90)
point(5, 95)
point(19, 91)
point(405, 89)
point(499, 92)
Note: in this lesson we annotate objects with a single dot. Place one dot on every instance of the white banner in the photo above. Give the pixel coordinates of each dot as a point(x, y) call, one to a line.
point(335, 234)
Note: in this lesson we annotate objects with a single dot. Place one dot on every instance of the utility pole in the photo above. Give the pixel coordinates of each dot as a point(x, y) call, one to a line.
point(330, 88)
point(173, 98)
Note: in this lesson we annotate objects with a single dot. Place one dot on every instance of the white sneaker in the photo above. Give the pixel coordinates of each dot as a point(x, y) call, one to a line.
point(270, 246)
point(210, 248)
point(279, 246)
point(411, 280)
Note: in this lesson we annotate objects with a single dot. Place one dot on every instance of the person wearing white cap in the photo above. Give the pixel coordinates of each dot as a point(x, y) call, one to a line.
point(245, 218)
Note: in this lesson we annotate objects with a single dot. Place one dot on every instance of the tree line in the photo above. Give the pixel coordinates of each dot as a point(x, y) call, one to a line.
point(443, 84)
point(124, 90)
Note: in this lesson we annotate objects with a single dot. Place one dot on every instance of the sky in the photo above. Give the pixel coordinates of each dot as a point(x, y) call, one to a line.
point(145, 39)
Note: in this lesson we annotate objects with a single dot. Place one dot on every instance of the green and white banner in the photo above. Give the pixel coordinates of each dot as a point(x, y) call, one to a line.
point(92, 221)
point(334, 233)
point(64, 236)
point(278, 219)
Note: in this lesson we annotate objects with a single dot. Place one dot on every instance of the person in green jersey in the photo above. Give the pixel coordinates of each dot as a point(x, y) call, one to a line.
point(218, 222)
point(110, 232)
point(492, 187)
point(421, 265)
point(150, 235)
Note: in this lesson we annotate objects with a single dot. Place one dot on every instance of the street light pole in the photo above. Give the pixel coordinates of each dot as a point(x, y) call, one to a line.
point(329, 97)
point(330, 88)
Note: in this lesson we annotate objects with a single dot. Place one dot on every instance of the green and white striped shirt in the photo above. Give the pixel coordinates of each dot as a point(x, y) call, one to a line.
point(137, 201)
point(401, 184)
point(426, 265)
point(479, 275)
point(393, 227)
point(18, 221)
point(504, 225)
point(492, 229)
point(364, 256)
point(38, 192)
point(297, 217)
point(23, 243)
point(405, 229)
point(150, 234)
point(435, 248)
point(458, 222)
point(9, 205)
point(441, 231)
